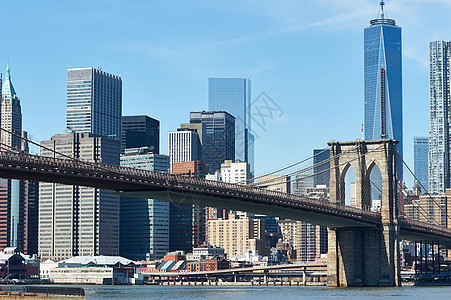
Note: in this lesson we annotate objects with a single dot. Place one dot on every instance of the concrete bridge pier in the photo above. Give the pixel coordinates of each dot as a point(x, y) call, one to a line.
point(363, 256)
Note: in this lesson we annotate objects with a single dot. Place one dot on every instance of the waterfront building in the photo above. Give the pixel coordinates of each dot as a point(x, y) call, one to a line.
point(18, 198)
point(140, 131)
point(102, 270)
point(383, 87)
point(439, 111)
point(420, 161)
point(218, 142)
point(233, 95)
point(94, 102)
point(184, 145)
point(209, 264)
point(77, 220)
point(238, 235)
point(144, 223)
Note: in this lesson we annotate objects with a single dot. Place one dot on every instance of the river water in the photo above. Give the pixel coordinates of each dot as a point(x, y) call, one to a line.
point(263, 293)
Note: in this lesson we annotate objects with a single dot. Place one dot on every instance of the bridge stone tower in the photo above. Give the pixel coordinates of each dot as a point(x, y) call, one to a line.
point(363, 256)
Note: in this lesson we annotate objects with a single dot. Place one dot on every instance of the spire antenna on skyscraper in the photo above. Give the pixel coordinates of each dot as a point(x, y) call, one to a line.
point(382, 9)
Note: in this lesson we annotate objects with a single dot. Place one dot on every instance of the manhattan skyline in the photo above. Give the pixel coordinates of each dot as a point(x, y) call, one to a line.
point(285, 50)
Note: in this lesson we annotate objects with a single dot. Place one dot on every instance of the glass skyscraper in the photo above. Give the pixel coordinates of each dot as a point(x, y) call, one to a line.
point(233, 95)
point(383, 83)
point(144, 223)
point(94, 102)
point(439, 114)
point(140, 131)
point(219, 137)
point(420, 160)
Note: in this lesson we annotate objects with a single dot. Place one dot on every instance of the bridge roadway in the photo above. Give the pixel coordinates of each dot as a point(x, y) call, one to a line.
point(301, 267)
point(180, 189)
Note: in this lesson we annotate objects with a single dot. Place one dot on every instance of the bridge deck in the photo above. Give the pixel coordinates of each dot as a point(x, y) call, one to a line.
point(175, 188)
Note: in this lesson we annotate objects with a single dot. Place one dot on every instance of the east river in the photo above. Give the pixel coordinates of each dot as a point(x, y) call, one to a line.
point(263, 293)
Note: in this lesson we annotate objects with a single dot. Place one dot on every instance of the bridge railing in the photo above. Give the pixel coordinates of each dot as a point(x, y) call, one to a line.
point(424, 227)
point(171, 180)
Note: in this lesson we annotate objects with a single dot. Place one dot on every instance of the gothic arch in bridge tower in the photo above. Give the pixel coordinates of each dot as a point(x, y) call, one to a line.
point(363, 156)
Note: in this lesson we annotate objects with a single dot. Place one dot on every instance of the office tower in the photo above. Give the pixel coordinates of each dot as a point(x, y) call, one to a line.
point(233, 95)
point(383, 85)
point(321, 166)
point(77, 220)
point(352, 192)
point(140, 131)
point(302, 183)
point(18, 207)
point(420, 161)
point(238, 235)
point(309, 241)
point(439, 113)
point(184, 145)
point(187, 222)
point(94, 102)
point(235, 172)
point(218, 142)
point(144, 223)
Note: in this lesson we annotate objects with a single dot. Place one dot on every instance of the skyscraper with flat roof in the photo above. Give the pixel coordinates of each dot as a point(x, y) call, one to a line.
point(219, 137)
point(321, 166)
point(94, 102)
point(140, 131)
point(383, 83)
point(233, 95)
point(420, 160)
point(184, 145)
point(78, 220)
point(144, 223)
point(439, 114)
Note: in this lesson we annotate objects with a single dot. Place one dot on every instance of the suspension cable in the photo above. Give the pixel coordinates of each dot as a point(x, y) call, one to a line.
point(305, 169)
point(287, 167)
point(427, 193)
point(323, 171)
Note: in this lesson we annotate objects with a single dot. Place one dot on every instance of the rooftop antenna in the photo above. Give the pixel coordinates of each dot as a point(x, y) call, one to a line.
point(382, 9)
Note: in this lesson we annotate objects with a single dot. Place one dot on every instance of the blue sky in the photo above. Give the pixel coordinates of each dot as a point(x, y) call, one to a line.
point(306, 55)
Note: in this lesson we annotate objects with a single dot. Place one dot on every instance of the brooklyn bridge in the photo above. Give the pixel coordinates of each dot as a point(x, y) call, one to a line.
point(364, 246)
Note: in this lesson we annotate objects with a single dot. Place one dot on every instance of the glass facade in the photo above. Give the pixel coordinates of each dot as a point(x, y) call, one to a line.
point(94, 102)
point(439, 122)
point(233, 95)
point(321, 167)
point(383, 80)
point(140, 131)
point(144, 223)
point(420, 157)
point(218, 142)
